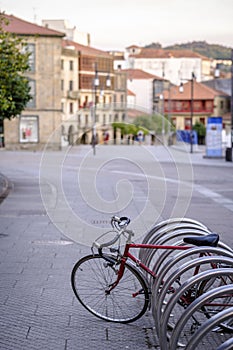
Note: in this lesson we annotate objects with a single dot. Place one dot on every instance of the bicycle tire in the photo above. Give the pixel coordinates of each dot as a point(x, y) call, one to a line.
point(127, 302)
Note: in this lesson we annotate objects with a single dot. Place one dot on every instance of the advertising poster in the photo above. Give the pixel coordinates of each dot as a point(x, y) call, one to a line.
point(28, 129)
point(214, 137)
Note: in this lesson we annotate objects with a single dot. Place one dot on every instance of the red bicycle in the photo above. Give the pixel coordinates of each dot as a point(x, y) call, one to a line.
point(113, 285)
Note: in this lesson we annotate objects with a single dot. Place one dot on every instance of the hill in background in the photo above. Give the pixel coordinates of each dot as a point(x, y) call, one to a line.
point(218, 52)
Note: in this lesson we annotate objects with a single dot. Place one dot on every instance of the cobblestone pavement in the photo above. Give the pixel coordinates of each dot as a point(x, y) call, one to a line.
point(38, 309)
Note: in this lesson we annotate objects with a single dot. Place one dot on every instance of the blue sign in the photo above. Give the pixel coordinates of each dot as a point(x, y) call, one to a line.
point(214, 137)
point(184, 136)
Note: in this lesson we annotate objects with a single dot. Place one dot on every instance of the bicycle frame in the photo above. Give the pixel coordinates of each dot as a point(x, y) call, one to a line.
point(127, 255)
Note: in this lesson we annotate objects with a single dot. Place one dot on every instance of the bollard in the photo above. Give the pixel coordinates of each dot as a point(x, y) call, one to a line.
point(229, 154)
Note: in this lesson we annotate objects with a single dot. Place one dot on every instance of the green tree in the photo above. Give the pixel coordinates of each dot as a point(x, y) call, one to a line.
point(129, 129)
point(154, 122)
point(201, 132)
point(14, 86)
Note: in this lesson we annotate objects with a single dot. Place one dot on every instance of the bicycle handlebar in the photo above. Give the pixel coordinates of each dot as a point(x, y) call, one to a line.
point(120, 224)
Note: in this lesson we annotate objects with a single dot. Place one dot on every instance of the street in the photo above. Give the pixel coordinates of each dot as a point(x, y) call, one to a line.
point(59, 202)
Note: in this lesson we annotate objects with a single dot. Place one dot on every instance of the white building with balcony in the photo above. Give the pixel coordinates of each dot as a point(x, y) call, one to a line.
point(172, 65)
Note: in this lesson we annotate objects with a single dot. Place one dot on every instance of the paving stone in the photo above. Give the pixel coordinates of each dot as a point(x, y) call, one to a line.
point(38, 309)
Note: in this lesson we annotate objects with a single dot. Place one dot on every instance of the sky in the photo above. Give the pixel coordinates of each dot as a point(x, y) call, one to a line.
point(117, 24)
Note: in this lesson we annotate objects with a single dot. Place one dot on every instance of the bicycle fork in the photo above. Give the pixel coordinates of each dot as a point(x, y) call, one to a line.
point(119, 273)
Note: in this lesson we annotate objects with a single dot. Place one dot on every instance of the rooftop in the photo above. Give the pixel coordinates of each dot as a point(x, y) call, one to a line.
point(163, 53)
point(140, 74)
point(200, 92)
point(130, 93)
point(19, 26)
point(85, 50)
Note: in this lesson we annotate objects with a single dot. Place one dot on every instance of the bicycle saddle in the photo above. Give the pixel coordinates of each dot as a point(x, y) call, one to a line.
point(210, 240)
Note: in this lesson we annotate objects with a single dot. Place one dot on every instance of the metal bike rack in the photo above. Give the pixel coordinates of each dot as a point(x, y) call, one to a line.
point(170, 239)
point(159, 303)
point(180, 257)
point(180, 291)
point(170, 268)
point(144, 254)
point(227, 345)
point(170, 265)
point(192, 308)
point(208, 326)
point(168, 222)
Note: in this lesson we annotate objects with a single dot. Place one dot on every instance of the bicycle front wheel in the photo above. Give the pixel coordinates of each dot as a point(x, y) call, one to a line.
point(92, 276)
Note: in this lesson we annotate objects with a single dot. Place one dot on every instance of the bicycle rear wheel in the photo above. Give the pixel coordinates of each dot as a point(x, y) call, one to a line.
point(91, 277)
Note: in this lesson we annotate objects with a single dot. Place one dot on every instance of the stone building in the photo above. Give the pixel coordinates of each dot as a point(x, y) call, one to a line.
point(93, 94)
point(66, 105)
point(42, 118)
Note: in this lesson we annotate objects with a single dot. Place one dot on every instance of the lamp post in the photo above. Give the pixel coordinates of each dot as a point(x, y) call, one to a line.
point(181, 89)
point(231, 101)
point(96, 84)
point(162, 98)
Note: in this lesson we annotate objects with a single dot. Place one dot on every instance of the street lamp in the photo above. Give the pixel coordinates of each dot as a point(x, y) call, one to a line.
point(181, 89)
point(231, 102)
point(96, 84)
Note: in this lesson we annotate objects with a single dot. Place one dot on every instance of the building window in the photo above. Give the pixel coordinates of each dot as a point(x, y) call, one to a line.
point(208, 105)
point(197, 105)
point(174, 121)
point(71, 65)
point(85, 103)
point(178, 105)
point(71, 85)
point(122, 100)
point(202, 120)
point(32, 102)
point(28, 129)
point(32, 57)
point(187, 124)
point(114, 99)
point(62, 85)
point(221, 104)
point(62, 64)
point(71, 107)
point(62, 106)
point(186, 106)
